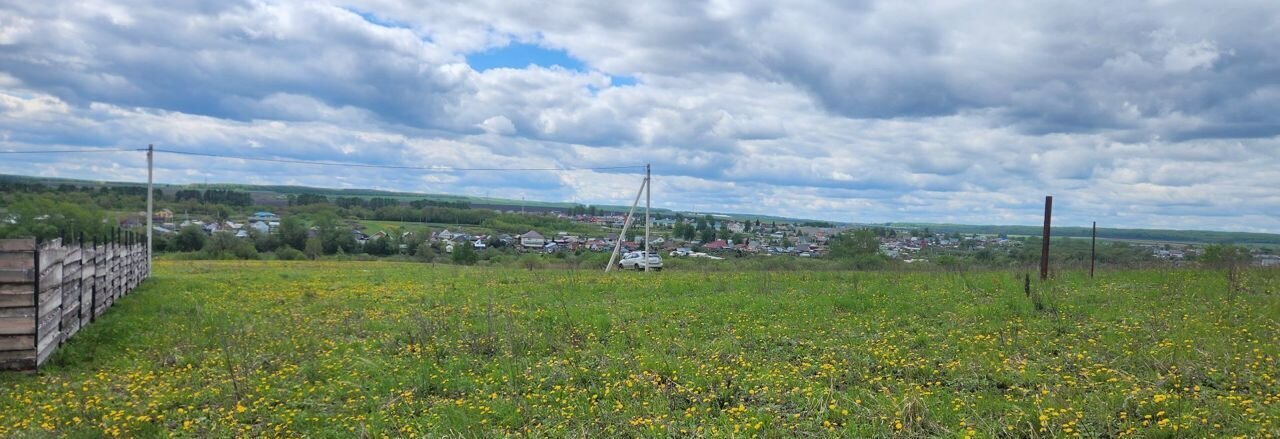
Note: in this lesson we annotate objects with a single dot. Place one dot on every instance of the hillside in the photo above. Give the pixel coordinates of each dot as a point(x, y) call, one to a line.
point(1158, 235)
point(373, 349)
point(276, 195)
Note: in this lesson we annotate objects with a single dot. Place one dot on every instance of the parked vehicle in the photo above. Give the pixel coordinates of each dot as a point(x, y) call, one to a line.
point(636, 261)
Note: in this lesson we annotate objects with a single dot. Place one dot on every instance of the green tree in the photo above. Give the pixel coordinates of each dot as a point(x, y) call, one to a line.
point(463, 254)
point(224, 245)
point(191, 238)
point(708, 235)
point(334, 236)
point(44, 217)
point(379, 247)
point(292, 232)
point(859, 243)
point(1224, 255)
point(531, 261)
point(314, 248)
point(425, 251)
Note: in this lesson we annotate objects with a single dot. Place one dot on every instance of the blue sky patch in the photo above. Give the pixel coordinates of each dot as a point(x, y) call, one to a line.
point(375, 19)
point(622, 80)
point(521, 55)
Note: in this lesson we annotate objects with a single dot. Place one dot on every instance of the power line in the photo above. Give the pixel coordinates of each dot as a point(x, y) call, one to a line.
point(73, 151)
point(415, 168)
point(328, 163)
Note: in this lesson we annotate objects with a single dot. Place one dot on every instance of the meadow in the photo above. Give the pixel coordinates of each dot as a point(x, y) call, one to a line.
point(385, 349)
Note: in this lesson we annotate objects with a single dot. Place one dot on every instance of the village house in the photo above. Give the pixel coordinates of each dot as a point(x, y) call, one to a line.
point(716, 245)
point(163, 215)
point(264, 217)
point(532, 239)
point(261, 227)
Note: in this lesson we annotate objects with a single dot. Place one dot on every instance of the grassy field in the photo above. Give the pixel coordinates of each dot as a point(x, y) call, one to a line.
point(259, 349)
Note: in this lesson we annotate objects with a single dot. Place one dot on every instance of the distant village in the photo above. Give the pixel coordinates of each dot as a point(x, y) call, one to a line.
point(732, 237)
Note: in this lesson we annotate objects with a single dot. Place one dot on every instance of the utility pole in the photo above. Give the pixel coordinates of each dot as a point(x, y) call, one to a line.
point(1044, 244)
point(150, 203)
point(625, 224)
point(1093, 247)
point(648, 191)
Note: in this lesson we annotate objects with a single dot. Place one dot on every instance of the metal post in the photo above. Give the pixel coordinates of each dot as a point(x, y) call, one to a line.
point(35, 302)
point(80, 312)
point(1044, 244)
point(1093, 247)
point(648, 190)
point(93, 294)
point(150, 206)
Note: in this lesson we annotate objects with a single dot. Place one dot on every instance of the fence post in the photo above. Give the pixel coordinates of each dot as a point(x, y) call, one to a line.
point(1044, 244)
point(35, 302)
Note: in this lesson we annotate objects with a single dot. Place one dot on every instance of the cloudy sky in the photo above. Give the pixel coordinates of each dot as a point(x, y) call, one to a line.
point(1159, 114)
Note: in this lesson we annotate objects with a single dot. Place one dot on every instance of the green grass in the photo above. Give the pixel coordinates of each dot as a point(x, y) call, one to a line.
point(254, 349)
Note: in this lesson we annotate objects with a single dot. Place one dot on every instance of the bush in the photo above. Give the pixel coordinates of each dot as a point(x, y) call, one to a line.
point(425, 252)
point(190, 239)
point(313, 249)
point(224, 245)
point(463, 254)
point(286, 253)
point(532, 261)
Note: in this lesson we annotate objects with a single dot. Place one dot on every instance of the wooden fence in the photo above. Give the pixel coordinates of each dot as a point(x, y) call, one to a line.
point(50, 290)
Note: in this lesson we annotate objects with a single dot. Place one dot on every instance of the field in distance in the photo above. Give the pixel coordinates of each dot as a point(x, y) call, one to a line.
point(344, 349)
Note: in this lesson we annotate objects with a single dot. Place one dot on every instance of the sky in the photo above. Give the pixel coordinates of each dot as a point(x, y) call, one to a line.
point(1158, 114)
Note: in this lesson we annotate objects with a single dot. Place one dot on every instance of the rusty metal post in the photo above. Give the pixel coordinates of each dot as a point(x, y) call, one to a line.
point(1044, 244)
point(1093, 247)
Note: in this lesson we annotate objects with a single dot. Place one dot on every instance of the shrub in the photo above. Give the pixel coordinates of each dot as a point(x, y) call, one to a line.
point(286, 253)
point(224, 245)
point(190, 239)
point(531, 262)
point(463, 254)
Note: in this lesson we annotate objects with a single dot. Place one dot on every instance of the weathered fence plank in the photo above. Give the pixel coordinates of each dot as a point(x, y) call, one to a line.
point(13, 276)
point(70, 319)
point(15, 295)
point(18, 359)
point(17, 261)
point(51, 290)
point(17, 245)
point(18, 321)
point(17, 342)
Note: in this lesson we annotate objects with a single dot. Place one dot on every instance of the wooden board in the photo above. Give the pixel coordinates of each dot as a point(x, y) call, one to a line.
point(17, 342)
point(17, 295)
point(50, 300)
point(48, 328)
point(49, 256)
point(16, 300)
point(47, 345)
point(27, 288)
point(51, 277)
point(18, 260)
point(18, 325)
point(71, 272)
point(18, 360)
point(17, 276)
point(72, 255)
point(17, 245)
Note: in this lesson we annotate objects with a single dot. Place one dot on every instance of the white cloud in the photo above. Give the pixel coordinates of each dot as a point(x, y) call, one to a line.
point(862, 111)
point(1186, 57)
